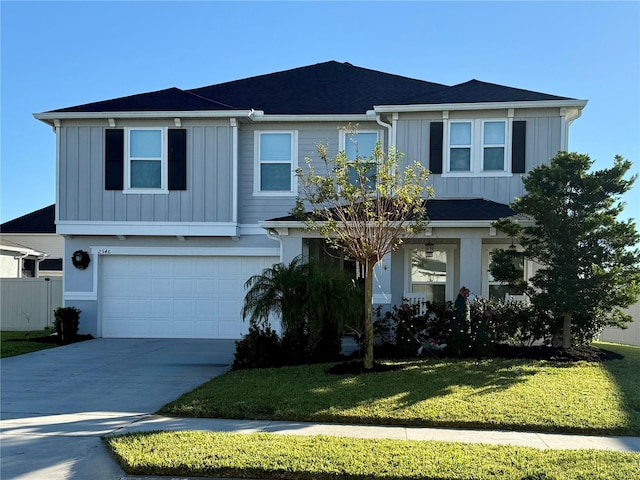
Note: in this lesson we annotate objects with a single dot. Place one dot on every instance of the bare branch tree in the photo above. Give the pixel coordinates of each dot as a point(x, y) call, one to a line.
point(364, 205)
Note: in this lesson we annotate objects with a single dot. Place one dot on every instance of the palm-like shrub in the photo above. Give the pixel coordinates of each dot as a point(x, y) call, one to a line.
point(311, 300)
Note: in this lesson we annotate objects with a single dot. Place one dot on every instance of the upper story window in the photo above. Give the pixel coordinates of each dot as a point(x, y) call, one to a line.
point(477, 147)
point(275, 163)
point(360, 145)
point(146, 160)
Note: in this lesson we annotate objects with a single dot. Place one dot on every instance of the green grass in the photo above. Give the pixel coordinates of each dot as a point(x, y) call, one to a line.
point(586, 398)
point(10, 348)
point(273, 456)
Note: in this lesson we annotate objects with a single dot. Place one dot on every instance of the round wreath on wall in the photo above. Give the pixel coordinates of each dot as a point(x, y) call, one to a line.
point(80, 259)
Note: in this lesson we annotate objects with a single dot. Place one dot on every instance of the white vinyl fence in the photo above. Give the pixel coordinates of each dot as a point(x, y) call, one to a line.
point(628, 336)
point(28, 303)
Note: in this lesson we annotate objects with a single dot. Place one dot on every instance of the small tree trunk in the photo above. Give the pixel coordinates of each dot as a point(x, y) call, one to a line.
point(566, 331)
point(368, 314)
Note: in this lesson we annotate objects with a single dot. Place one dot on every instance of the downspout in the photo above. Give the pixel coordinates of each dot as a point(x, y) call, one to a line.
point(390, 127)
point(36, 274)
point(567, 117)
point(273, 234)
point(234, 162)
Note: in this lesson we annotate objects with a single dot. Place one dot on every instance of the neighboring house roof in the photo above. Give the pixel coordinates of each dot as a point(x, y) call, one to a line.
point(447, 209)
point(324, 88)
point(7, 247)
point(40, 221)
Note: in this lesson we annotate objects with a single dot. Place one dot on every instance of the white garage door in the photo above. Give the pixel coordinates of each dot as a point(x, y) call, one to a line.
point(175, 297)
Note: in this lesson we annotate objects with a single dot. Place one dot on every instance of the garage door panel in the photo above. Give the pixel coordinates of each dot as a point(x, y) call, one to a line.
point(183, 287)
point(175, 297)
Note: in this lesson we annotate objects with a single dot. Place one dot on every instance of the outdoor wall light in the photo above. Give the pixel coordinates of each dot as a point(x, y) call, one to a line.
point(428, 249)
point(80, 259)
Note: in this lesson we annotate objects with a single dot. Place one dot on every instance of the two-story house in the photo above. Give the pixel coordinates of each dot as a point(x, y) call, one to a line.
point(176, 197)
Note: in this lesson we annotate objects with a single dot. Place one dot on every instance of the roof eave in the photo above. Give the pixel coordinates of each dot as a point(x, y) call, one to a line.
point(343, 117)
point(51, 118)
point(268, 224)
point(569, 103)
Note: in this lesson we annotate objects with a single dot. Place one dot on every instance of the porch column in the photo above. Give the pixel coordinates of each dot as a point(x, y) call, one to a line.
point(291, 248)
point(470, 266)
point(382, 281)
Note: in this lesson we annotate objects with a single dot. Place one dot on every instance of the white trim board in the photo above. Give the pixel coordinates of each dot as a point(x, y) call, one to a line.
point(200, 229)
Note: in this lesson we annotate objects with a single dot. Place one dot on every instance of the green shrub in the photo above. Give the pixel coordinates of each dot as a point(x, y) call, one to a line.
point(66, 322)
point(259, 348)
point(401, 331)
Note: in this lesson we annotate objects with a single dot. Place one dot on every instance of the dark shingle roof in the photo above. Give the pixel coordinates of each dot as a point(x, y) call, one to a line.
point(40, 221)
point(475, 91)
point(324, 88)
point(466, 209)
point(447, 209)
point(171, 99)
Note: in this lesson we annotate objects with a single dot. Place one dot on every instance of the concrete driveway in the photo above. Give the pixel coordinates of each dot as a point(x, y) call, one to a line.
point(57, 403)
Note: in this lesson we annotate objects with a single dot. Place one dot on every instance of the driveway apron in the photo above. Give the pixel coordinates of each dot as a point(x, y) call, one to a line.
point(57, 403)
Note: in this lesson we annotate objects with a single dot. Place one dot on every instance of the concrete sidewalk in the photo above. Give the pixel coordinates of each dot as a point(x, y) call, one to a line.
point(525, 439)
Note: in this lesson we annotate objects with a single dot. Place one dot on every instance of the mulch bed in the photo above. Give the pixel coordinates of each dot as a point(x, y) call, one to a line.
point(557, 354)
point(552, 354)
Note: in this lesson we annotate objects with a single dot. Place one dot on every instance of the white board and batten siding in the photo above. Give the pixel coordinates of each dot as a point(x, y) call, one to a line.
point(81, 180)
point(176, 296)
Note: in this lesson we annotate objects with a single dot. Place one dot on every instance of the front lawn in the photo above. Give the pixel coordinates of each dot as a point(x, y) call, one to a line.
point(581, 397)
point(17, 343)
point(275, 456)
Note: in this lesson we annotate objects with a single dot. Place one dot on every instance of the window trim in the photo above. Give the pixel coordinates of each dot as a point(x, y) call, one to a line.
point(164, 160)
point(448, 284)
point(477, 148)
point(342, 141)
point(257, 163)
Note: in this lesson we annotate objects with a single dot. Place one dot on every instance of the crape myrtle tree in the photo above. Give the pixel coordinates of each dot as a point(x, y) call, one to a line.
point(589, 260)
point(364, 206)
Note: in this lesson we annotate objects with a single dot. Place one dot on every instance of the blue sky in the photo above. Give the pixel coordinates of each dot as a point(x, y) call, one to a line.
point(59, 54)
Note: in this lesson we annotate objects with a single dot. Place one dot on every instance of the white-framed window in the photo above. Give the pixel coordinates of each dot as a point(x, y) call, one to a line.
point(276, 154)
point(477, 147)
point(145, 166)
point(359, 145)
point(429, 277)
point(492, 288)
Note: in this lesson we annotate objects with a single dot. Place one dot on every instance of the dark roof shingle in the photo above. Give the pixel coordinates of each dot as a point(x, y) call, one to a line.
point(448, 209)
point(40, 221)
point(324, 88)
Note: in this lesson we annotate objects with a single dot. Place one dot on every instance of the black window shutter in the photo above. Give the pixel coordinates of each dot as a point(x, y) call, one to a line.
point(435, 147)
point(114, 159)
point(177, 159)
point(518, 144)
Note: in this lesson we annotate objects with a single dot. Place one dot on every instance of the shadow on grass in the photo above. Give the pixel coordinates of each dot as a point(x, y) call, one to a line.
point(625, 372)
point(307, 393)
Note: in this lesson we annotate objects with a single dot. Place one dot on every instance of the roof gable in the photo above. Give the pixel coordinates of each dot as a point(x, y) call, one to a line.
point(40, 221)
